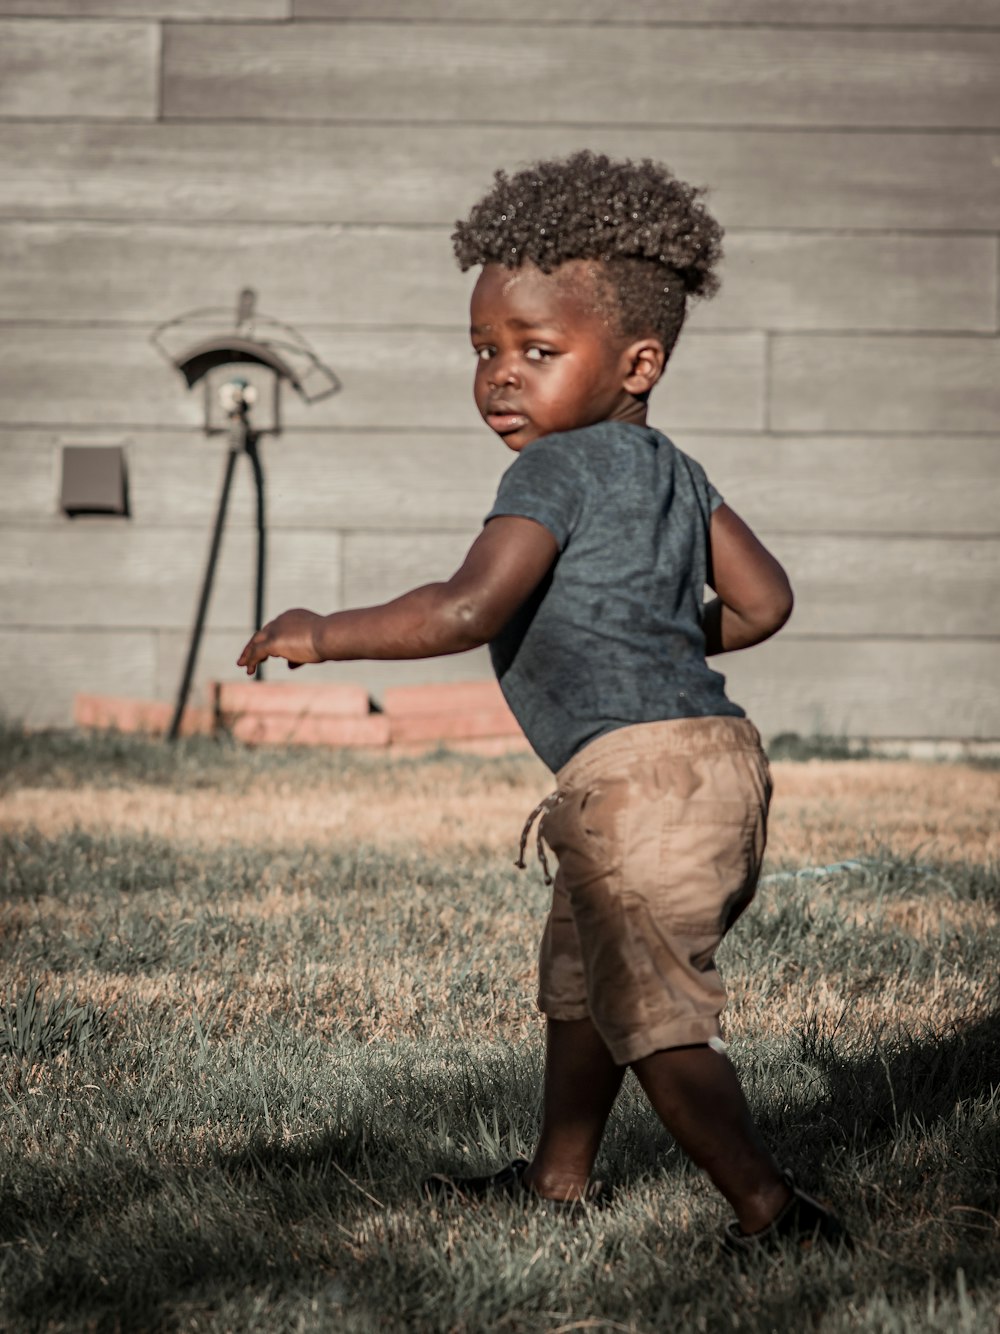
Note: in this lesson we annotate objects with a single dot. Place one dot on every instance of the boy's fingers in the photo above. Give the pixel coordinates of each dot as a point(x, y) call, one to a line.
point(254, 652)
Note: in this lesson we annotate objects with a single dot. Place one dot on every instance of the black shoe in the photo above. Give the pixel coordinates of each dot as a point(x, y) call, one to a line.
point(802, 1220)
point(509, 1182)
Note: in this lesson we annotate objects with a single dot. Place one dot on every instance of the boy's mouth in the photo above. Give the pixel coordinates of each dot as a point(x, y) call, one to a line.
point(501, 419)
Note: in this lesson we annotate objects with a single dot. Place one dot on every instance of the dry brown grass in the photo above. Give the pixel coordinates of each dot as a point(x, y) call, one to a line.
point(822, 811)
point(440, 806)
point(470, 817)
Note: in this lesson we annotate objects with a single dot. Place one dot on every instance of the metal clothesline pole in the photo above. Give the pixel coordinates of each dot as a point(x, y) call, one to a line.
point(258, 477)
point(239, 433)
point(281, 352)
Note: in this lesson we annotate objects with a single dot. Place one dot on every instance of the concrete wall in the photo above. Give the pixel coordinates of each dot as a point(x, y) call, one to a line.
point(843, 390)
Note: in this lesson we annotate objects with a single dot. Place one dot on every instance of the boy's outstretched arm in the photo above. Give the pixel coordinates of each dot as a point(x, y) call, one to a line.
point(755, 598)
point(505, 564)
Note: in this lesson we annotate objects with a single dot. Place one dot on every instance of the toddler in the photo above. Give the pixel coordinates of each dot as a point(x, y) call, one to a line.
point(587, 584)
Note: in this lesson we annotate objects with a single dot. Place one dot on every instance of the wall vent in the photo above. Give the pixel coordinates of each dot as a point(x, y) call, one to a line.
point(94, 480)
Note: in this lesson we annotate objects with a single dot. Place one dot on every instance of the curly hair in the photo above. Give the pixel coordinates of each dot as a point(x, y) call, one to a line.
point(657, 242)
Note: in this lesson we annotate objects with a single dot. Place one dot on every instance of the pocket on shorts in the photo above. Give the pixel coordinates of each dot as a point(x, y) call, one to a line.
point(710, 857)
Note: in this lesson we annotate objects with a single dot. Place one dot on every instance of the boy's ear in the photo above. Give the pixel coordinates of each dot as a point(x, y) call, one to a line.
point(644, 360)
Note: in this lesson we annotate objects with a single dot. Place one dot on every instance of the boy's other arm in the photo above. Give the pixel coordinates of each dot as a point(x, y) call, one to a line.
point(505, 564)
point(755, 598)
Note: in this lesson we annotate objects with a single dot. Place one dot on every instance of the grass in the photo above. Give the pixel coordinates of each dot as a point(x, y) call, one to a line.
point(235, 1032)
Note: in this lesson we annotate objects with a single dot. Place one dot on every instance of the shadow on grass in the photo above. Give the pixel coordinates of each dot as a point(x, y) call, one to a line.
point(123, 1246)
point(124, 1242)
point(902, 1083)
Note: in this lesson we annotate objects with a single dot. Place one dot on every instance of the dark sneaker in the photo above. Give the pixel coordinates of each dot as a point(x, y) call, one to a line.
point(803, 1220)
point(509, 1181)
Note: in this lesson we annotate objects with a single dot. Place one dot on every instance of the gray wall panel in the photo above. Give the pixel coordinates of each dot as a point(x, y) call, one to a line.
point(101, 70)
point(891, 384)
point(884, 586)
point(227, 12)
point(900, 688)
point(326, 274)
point(694, 76)
point(318, 274)
point(107, 573)
point(413, 174)
point(379, 566)
point(42, 670)
point(933, 485)
point(799, 13)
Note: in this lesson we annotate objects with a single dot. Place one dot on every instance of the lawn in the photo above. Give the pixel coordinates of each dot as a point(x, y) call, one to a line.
point(249, 998)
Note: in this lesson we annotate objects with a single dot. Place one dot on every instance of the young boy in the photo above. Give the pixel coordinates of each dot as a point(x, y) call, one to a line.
point(587, 583)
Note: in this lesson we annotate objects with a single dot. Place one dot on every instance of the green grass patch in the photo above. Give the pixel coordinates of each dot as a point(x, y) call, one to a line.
point(793, 746)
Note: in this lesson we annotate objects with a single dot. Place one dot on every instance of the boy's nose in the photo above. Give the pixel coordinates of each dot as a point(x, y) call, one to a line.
point(502, 372)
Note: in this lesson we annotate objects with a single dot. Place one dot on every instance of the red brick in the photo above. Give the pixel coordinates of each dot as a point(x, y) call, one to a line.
point(460, 724)
point(283, 729)
point(443, 697)
point(137, 715)
point(299, 698)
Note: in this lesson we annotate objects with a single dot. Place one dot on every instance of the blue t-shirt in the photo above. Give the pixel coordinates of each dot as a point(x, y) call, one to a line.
point(613, 635)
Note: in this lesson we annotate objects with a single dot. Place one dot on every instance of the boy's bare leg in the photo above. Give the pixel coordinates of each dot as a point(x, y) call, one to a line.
point(695, 1093)
point(693, 1090)
point(581, 1084)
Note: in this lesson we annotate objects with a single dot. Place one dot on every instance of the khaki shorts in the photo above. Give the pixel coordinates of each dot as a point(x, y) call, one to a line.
point(659, 829)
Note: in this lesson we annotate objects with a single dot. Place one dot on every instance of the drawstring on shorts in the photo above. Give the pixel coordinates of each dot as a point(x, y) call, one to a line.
point(542, 809)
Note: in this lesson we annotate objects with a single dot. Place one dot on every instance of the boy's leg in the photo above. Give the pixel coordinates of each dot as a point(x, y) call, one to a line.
point(693, 1090)
point(695, 1093)
point(581, 1084)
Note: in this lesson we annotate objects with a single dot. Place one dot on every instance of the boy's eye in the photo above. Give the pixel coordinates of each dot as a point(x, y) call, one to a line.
point(484, 353)
point(539, 353)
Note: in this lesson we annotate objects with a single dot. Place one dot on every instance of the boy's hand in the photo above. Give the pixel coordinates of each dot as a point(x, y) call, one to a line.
point(292, 635)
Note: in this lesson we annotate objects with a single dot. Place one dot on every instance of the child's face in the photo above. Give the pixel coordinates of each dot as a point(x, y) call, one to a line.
point(547, 358)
